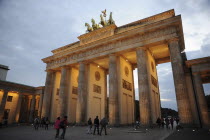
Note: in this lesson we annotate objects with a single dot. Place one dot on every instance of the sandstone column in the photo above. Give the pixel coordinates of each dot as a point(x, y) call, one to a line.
point(32, 108)
point(134, 101)
point(144, 89)
point(183, 104)
point(3, 104)
point(18, 107)
point(81, 113)
point(105, 96)
point(47, 94)
point(63, 93)
point(113, 91)
point(202, 104)
point(192, 98)
point(40, 105)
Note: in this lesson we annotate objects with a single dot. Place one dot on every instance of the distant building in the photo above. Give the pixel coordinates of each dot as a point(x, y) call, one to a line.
point(18, 102)
point(3, 72)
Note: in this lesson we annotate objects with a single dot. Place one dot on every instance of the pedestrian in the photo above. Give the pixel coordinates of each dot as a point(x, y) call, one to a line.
point(57, 127)
point(172, 123)
point(89, 126)
point(63, 125)
point(158, 122)
point(96, 125)
point(43, 122)
point(103, 123)
point(167, 123)
point(177, 121)
point(36, 123)
point(46, 123)
point(162, 122)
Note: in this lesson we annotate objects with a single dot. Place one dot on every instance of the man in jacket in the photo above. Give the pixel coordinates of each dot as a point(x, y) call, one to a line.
point(103, 123)
point(96, 125)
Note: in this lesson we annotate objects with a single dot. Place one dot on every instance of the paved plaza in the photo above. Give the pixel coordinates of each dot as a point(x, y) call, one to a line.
point(79, 133)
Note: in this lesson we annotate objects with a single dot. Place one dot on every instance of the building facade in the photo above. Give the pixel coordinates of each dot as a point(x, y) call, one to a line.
point(18, 103)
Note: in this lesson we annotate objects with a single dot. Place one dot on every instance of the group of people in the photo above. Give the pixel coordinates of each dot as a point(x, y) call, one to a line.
point(167, 121)
point(59, 124)
point(62, 124)
point(96, 124)
point(43, 122)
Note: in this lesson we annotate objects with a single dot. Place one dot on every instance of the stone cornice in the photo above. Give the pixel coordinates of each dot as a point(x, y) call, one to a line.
point(154, 18)
point(10, 86)
point(65, 47)
point(198, 61)
point(97, 34)
point(175, 21)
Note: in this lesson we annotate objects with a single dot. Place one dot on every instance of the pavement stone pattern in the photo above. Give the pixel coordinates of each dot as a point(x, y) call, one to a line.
point(190, 134)
point(80, 133)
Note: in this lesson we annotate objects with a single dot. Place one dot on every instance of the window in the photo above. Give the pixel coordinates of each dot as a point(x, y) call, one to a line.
point(9, 99)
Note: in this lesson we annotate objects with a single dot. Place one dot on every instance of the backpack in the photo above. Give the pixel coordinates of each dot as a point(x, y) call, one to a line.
point(62, 124)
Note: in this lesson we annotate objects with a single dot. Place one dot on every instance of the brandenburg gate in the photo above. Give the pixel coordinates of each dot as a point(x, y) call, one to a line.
point(76, 81)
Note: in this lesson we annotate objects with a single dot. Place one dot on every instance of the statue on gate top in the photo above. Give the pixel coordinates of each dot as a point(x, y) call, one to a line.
point(103, 22)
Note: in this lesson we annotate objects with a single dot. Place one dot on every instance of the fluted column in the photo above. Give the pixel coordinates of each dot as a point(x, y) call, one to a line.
point(81, 113)
point(32, 108)
point(18, 107)
point(183, 104)
point(40, 105)
point(113, 91)
point(47, 94)
point(63, 92)
point(144, 89)
point(3, 104)
point(201, 100)
point(134, 97)
point(105, 95)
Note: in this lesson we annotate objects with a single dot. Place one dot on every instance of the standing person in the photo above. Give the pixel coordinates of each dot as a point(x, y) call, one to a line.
point(63, 125)
point(103, 123)
point(96, 125)
point(158, 122)
point(172, 122)
point(177, 121)
point(162, 122)
point(167, 122)
point(57, 127)
point(43, 122)
point(36, 123)
point(46, 123)
point(90, 126)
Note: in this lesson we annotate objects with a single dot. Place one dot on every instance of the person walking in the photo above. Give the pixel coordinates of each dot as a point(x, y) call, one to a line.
point(57, 127)
point(89, 126)
point(96, 125)
point(158, 122)
point(42, 122)
point(63, 125)
point(177, 121)
point(172, 123)
point(46, 123)
point(162, 122)
point(167, 123)
point(36, 123)
point(103, 123)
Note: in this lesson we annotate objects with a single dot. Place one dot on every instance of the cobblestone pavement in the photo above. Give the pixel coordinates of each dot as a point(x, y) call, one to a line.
point(190, 134)
point(79, 133)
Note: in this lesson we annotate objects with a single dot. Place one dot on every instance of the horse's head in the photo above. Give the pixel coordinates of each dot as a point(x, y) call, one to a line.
point(93, 21)
point(86, 24)
point(101, 16)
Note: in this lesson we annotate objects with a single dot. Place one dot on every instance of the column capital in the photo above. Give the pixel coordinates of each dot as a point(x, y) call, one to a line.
point(172, 40)
point(50, 70)
point(141, 48)
point(113, 54)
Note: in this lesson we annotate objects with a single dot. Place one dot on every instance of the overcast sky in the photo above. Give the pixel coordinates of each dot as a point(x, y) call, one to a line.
point(30, 29)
